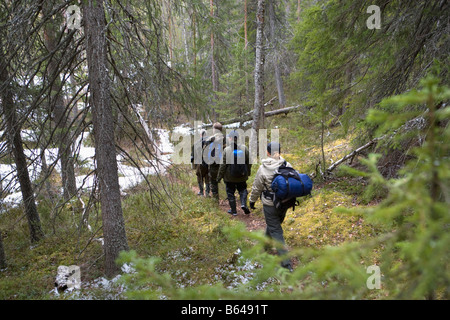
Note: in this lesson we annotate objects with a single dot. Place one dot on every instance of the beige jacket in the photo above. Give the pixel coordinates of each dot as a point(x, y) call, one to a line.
point(264, 177)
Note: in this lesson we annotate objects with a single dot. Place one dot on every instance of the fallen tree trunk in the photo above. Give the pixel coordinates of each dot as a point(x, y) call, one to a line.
point(416, 123)
point(249, 116)
point(351, 155)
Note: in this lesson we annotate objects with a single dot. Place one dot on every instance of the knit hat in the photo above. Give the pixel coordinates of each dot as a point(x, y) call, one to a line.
point(273, 147)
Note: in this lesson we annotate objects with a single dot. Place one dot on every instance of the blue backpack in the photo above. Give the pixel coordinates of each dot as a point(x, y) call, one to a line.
point(287, 185)
point(238, 168)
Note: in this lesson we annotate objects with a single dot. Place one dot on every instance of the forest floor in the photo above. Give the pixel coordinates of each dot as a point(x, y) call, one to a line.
point(252, 222)
point(190, 234)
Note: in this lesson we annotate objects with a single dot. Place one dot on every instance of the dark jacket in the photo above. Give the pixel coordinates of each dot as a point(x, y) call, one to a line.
point(225, 168)
point(219, 139)
point(197, 152)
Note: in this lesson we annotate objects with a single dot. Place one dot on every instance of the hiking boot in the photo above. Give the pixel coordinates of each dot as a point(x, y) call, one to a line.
point(245, 209)
point(232, 210)
point(289, 268)
point(243, 197)
point(200, 186)
point(287, 265)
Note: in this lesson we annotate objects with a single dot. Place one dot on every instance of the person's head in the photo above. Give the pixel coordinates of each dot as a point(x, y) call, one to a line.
point(273, 149)
point(217, 127)
point(233, 136)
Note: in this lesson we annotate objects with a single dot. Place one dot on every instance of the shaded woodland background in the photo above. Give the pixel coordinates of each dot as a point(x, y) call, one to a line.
point(135, 70)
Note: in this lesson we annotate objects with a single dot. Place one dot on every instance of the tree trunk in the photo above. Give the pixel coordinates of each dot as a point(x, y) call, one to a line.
point(276, 62)
point(215, 82)
point(258, 111)
point(58, 108)
point(247, 95)
point(2, 254)
point(15, 140)
point(322, 145)
point(185, 37)
point(115, 239)
point(249, 115)
point(170, 27)
point(194, 39)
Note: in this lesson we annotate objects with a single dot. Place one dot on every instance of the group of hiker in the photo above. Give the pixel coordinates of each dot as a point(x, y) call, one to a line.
point(232, 164)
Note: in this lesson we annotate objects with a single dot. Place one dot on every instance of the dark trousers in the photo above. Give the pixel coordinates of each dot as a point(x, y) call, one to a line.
point(202, 177)
point(274, 218)
point(231, 188)
point(213, 171)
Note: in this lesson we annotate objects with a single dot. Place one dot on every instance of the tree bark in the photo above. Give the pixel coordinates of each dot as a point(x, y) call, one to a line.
point(114, 234)
point(58, 108)
point(247, 95)
point(276, 62)
point(15, 140)
point(194, 39)
point(214, 79)
point(2, 254)
point(258, 111)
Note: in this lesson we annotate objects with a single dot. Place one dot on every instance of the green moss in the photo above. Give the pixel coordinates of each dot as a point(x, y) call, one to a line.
point(315, 223)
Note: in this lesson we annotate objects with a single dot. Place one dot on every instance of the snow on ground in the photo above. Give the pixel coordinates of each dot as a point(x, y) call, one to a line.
point(129, 176)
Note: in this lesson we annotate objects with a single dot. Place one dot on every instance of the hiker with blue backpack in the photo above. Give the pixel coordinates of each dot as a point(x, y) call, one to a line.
point(235, 171)
point(278, 185)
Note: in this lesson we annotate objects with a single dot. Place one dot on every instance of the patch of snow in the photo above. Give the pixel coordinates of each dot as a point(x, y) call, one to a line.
point(128, 176)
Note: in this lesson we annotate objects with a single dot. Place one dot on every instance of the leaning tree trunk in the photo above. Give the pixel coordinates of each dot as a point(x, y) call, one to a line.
point(15, 139)
point(258, 111)
point(115, 239)
point(276, 54)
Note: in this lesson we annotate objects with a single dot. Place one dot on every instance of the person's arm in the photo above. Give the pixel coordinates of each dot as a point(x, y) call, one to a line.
point(221, 172)
point(222, 168)
point(257, 187)
point(247, 161)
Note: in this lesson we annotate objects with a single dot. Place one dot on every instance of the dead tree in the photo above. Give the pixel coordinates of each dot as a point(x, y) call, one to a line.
point(249, 115)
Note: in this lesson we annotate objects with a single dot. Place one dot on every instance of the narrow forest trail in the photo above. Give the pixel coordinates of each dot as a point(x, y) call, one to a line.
point(251, 221)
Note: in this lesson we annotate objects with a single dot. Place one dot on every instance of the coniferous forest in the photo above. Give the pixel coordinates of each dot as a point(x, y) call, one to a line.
point(104, 105)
